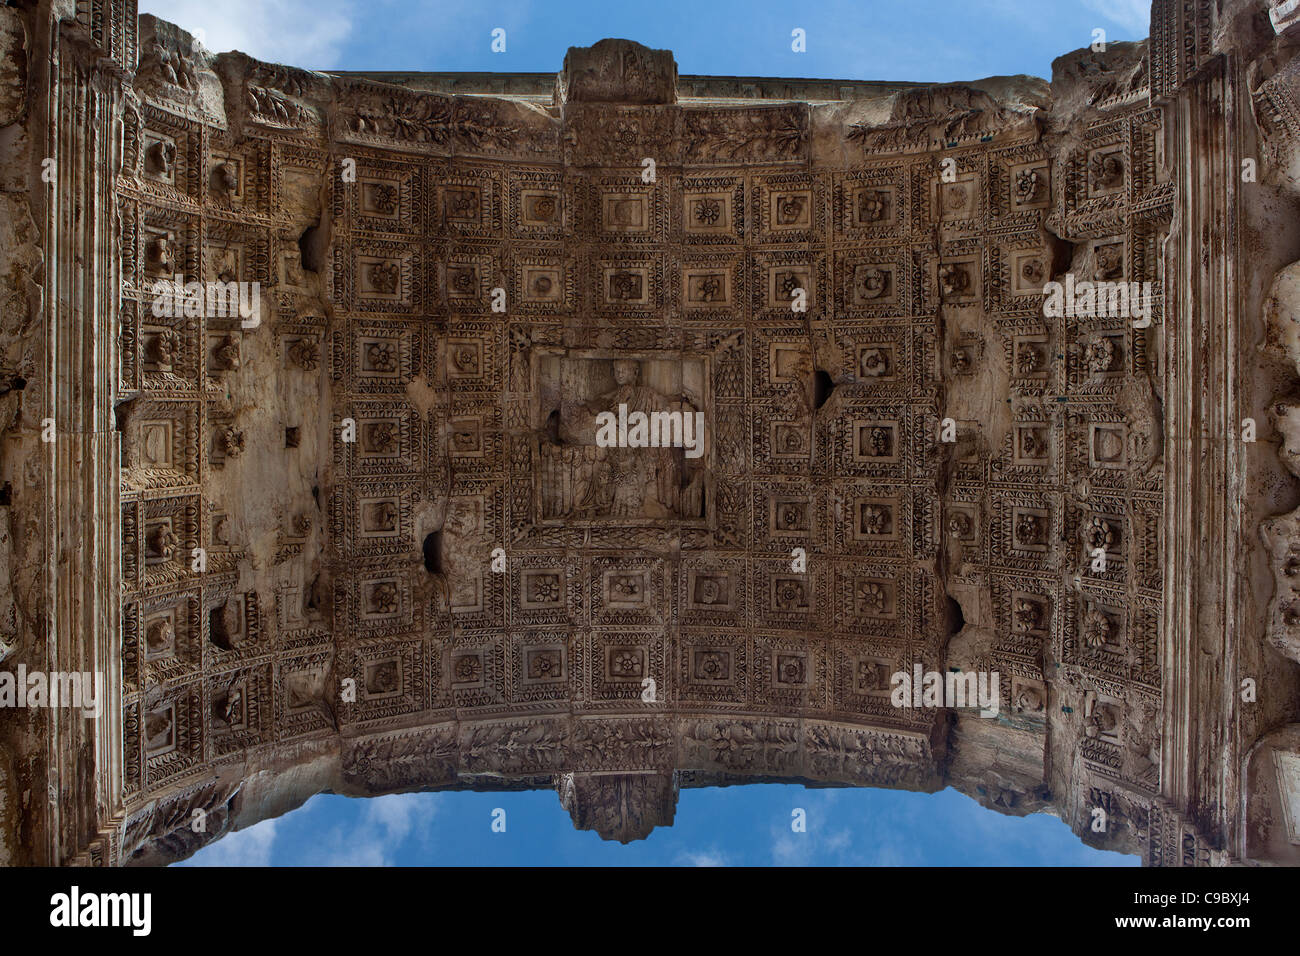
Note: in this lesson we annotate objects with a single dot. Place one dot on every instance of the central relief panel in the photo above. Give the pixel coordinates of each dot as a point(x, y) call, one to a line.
point(625, 439)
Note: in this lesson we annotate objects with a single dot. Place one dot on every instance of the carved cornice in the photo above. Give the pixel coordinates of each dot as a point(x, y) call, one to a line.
point(807, 749)
point(1181, 43)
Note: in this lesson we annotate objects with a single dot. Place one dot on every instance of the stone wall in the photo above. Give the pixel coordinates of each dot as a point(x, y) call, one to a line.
point(363, 539)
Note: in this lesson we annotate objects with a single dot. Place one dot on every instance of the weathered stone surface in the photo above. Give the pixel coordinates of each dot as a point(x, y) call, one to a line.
point(13, 66)
point(617, 71)
point(368, 538)
point(622, 807)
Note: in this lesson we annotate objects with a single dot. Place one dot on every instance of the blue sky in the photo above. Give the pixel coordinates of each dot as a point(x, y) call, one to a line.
point(939, 41)
point(726, 826)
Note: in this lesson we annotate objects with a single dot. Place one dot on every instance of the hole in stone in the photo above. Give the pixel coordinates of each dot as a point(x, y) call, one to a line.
point(823, 386)
point(956, 620)
point(6, 495)
point(552, 428)
point(218, 629)
point(122, 414)
point(309, 248)
point(17, 384)
point(291, 437)
point(1062, 254)
point(433, 552)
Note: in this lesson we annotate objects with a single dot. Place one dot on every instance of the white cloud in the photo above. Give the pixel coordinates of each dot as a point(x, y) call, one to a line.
point(375, 830)
point(703, 858)
point(792, 849)
point(819, 844)
point(1133, 15)
point(350, 851)
point(839, 834)
point(250, 847)
point(398, 813)
point(384, 825)
point(303, 33)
